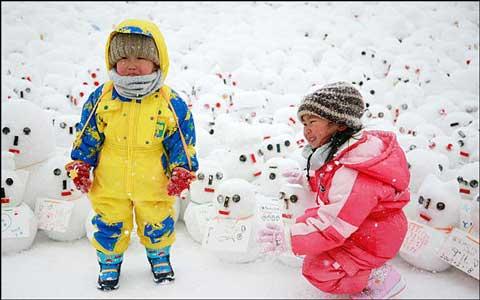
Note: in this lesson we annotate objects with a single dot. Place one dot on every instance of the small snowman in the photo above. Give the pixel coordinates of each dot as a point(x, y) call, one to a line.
point(50, 181)
point(295, 199)
point(201, 206)
point(19, 224)
point(235, 203)
point(467, 177)
point(437, 212)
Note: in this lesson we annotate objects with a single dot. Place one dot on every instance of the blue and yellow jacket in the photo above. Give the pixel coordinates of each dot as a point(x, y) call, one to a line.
point(135, 144)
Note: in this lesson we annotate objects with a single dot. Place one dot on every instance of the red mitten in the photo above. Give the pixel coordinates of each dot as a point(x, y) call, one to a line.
point(79, 172)
point(179, 181)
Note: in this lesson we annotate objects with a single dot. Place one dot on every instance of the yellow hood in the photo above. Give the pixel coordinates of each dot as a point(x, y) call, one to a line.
point(146, 28)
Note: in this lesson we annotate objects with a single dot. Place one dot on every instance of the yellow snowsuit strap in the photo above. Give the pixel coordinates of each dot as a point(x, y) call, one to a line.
point(107, 87)
point(166, 95)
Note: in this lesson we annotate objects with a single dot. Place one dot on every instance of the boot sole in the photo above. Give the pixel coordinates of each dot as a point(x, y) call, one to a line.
point(107, 288)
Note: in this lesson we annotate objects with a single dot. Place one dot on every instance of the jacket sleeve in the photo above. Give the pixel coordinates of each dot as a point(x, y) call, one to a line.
point(352, 197)
point(92, 139)
point(177, 156)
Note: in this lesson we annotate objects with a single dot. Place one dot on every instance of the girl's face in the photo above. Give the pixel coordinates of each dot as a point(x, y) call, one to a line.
point(318, 131)
point(133, 66)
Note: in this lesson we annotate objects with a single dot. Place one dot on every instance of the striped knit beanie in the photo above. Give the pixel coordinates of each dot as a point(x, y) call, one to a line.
point(339, 102)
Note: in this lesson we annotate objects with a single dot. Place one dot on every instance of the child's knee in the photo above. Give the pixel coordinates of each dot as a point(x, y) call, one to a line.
point(110, 234)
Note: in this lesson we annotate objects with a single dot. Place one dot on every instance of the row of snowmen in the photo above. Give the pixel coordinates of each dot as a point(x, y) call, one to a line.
point(34, 180)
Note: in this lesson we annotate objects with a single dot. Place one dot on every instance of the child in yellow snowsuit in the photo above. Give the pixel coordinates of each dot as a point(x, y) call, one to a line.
point(138, 136)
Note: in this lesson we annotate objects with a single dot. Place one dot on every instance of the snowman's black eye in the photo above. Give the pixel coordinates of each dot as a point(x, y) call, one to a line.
point(272, 176)
point(201, 176)
point(63, 125)
point(6, 130)
point(9, 181)
point(440, 206)
point(270, 147)
point(242, 158)
point(219, 175)
point(421, 199)
point(26, 131)
point(57, 172)
point(287, 143)
point(235, 198)
point(293, 198)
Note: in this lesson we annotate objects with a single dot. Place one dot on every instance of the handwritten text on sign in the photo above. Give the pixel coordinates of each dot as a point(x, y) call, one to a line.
point(53, 215)
point(227, 234)
point(15, 223)
point(417, 237)
point(461, 251)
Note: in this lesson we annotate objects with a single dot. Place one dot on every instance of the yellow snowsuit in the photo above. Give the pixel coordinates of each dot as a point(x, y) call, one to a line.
point(133, 146)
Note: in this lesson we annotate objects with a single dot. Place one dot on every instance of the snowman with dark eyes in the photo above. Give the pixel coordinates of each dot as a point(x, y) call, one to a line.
point(50, 181)
point(272, 175)
point(294, 200)
point(65, 130)
point(467, 178)
point(468, 139)
point(201, 206)
point(277, 146)
point(437, 212)
point(446, 145)
point(19, 223)
point(27, 133)
point(236, 213)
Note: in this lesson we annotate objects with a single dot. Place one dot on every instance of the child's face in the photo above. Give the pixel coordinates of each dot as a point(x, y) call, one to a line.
point(317, 131)
point(133, 66)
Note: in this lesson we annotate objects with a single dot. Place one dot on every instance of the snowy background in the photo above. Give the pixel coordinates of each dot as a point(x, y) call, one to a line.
point(249, 64)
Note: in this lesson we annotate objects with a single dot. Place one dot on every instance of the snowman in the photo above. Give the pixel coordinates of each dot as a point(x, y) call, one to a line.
point(407, 122)
point(448, 146)
point(50, 181)
point(65, 130)
point(422, 162)
point(272, 174)
point(277, 146)
point(437, 212)
point(235, 204)
point(468, 139)
point(27, 132)
point(295, 199)
point(467, 178)
point(201, 207)
point(19, 224)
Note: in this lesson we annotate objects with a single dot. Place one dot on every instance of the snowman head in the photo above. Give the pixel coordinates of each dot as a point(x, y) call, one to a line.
point(467, 179)
point(295, 199)
point(27, 132)
point(272, 174)
point(65, 129)
point(438, 204)
point(209, 176)
point(235, 198)
point(422, 162)
point(277, 146)
point(13, 187)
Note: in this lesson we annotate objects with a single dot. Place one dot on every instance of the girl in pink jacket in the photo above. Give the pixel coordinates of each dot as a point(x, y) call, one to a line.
point(361, 183)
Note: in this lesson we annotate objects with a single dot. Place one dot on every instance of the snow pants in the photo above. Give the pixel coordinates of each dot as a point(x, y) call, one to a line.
point(329, 276)
point(114, 223)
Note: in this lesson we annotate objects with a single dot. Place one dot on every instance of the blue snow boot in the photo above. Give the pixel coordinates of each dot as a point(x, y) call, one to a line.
point(159, 260)
point(109, 271)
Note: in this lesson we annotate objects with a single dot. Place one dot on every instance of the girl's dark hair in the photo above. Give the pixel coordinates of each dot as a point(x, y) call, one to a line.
point(338, 139)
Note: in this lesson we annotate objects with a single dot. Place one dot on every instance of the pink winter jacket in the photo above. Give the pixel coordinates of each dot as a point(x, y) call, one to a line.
point(359, 221)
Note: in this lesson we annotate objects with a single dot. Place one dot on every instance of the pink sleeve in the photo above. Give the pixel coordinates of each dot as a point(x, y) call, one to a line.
point(352, 197)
